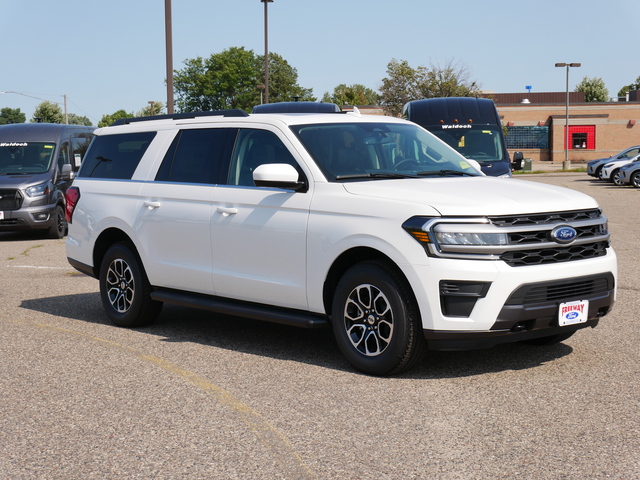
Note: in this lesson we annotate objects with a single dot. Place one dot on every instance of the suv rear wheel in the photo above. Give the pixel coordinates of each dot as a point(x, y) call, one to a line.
point(125, 289)
point(375, 320)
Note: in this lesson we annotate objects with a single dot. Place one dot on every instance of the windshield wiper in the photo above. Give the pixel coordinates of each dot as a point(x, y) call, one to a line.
point(374, 175)
point(442, 173)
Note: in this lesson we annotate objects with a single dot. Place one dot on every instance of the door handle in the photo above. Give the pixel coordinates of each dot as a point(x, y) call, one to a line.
point(226, 211)
point(151, 205)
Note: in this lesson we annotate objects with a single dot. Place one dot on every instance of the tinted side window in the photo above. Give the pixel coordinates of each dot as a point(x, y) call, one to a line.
point(198, 156)
point(115, 156)
point(255, 148)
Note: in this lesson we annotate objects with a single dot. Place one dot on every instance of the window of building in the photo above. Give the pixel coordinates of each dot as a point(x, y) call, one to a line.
point(519, 138)
point(582, 137)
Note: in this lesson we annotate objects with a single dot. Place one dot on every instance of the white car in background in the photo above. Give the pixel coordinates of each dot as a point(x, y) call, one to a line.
point(611, 171)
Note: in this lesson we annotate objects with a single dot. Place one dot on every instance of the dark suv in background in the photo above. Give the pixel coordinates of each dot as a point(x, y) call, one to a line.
point(37, 164)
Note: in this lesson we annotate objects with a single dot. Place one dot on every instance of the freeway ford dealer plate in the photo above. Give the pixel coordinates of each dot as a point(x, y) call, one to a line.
point(573, 312)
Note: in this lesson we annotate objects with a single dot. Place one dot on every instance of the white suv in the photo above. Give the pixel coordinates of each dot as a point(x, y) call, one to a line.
point(370, 225)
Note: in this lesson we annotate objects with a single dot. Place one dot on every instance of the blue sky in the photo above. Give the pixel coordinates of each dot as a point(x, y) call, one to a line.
point(110, 55)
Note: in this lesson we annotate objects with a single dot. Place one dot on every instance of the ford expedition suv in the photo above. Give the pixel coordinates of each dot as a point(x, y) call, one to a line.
point(369, 225)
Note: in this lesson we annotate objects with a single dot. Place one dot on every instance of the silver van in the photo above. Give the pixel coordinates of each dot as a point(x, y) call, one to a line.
point(37, 165)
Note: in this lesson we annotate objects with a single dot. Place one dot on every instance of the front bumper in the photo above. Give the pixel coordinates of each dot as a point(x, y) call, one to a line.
point(28, 218)
point(531, 311)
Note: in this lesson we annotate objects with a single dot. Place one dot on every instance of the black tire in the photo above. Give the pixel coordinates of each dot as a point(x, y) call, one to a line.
point(599, 173)
point(59, 228)
point(615, 177)
point(549, 340)
point(376, 321)
point(125, 289)
point(635, 180)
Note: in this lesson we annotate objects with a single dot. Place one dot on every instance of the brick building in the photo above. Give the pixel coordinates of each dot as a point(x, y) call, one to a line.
point(536, 122)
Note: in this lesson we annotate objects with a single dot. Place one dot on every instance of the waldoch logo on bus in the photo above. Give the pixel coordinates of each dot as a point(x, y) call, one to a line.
point(13, 144)
point(564, 234)
point(455, 126)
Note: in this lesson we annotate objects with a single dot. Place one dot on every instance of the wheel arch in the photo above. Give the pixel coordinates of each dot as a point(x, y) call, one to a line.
point(105, 240)
point(348, 259)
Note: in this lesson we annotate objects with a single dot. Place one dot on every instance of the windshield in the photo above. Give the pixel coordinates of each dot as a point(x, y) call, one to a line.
point(379, 150)
point(25, 157)
point(481, 143)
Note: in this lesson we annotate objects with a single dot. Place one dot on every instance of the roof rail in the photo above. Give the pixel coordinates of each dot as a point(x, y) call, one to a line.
point(236, 112)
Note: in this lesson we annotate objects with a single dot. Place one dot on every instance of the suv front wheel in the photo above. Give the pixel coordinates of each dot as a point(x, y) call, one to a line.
point(125, 289)
point(375, 320)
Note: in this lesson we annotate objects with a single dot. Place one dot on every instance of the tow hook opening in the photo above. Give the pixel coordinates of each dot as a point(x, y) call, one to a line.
point(522, 326)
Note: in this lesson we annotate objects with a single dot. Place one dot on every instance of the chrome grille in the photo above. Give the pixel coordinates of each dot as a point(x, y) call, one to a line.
point(546, 218)
point(555, 255)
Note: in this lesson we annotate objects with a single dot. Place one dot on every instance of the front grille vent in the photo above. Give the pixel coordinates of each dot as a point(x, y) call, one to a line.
point(10, 200)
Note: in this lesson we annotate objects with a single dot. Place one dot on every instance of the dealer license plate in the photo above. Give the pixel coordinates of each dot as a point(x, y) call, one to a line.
point(571, 313)
point(1, 215)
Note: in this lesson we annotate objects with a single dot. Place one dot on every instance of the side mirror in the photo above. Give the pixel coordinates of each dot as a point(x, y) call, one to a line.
point(67, 172)
point(518, 161)
point(278, 175)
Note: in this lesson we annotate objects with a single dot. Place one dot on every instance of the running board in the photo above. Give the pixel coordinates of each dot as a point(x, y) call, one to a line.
point(256, 311)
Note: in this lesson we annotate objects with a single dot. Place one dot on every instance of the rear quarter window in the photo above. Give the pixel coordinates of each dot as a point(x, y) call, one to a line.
point(115, 156)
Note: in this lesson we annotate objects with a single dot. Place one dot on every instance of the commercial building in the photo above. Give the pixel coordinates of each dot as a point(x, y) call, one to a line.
point(536, 124)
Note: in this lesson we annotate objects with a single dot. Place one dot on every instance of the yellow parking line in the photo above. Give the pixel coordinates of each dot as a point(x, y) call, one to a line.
point(269, 436)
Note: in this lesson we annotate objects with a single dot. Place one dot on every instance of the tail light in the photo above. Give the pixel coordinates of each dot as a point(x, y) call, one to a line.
point(72, 196)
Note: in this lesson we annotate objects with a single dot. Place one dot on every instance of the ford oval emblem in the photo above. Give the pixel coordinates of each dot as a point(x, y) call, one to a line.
point(564, 234)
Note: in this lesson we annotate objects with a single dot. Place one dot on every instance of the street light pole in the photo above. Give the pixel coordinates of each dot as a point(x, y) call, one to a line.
point(169, 53)
point(566, 165)
point(266, 50)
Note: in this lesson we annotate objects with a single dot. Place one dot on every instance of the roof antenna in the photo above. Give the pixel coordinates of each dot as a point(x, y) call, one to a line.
point(356, 112)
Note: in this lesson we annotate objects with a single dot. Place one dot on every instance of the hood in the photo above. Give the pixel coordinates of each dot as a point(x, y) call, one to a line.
point(476, 196)
point(22, 181)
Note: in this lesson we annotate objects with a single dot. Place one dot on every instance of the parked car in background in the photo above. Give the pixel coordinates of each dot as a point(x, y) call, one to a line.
point(630, 174)
point(37, 164)
point(594, 167)
point(611, 171)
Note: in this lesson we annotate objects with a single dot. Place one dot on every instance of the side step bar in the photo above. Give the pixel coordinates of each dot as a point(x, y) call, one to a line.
point(256, 311)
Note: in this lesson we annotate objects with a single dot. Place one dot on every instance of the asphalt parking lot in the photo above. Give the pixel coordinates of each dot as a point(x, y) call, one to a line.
point(199, 396)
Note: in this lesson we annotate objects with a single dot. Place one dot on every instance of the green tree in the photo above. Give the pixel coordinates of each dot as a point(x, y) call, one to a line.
point(157, 108)
point(48, 112)
point(404, 83)
point(283, 81)
point(11, 115)
point(400, 86)
point(629, 88)
point(451, 80)
point(78, 120)
point(355, 94)
point(109, 119)
point(230, 79)
point(594, 89)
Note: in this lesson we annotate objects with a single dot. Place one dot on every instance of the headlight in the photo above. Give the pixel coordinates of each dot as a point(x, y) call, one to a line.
point(467, 238)
point(437, 234)
point(38, 190)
